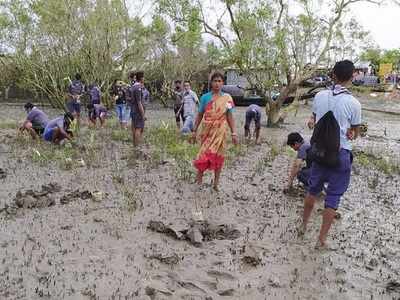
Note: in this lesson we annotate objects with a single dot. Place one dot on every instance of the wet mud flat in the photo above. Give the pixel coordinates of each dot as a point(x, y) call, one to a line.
point(119, 225)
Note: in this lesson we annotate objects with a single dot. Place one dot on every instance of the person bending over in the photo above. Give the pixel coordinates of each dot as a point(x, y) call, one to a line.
point(35, 122)
point(97, 111)
point(297, 143)
point(58, 129)
point(253, 113)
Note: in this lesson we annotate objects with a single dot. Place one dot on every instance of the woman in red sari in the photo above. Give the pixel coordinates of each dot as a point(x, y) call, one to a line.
point(215, 113)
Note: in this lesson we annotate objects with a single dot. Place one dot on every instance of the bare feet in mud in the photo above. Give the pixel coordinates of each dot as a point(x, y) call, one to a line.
point(197, 216)
point(216, 188)
point(323, 247)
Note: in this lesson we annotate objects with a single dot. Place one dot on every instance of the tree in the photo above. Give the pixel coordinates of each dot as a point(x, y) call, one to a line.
point(266, 36)
point(372, 55)
point(94, 38)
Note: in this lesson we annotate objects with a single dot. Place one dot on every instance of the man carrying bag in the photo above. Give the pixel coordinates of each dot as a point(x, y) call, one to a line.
point(336, 119)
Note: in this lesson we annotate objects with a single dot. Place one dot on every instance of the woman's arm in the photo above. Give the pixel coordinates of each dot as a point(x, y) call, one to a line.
point(231, 124)
point(197, 123)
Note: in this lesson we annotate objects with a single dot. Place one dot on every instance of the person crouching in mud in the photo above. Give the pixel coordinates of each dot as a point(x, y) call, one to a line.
point(35, 122)
point(215, 112)
point(58, 129)
point(253, 112)
point(297, 143)
point(97, 111)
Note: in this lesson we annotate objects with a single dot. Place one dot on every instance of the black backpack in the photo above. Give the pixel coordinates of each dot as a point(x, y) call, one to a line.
point(325, 141)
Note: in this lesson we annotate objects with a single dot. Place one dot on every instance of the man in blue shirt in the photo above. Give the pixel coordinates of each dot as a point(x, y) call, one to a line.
point(58, 129)
point(347, 112)
point(297, 143)
point(137, 108)
point(94, 94)
point(75, 92)
point(253, 112)
point(35, 122)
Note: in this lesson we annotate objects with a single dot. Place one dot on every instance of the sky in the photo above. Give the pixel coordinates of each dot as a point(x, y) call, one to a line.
point(383, 22)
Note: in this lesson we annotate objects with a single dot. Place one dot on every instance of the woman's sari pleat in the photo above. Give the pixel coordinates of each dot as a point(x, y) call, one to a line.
point(213, 134)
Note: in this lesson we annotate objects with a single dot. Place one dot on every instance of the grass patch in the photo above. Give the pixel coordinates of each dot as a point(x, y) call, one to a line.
point(267, 159)
point(81, 152)
point(170, 145)
point(9, 124)
point(120, 135)
point(383, 164)
point(361, 89)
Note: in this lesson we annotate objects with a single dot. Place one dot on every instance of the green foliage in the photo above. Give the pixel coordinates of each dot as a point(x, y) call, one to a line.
point(82, 152)
point(8, 124)
point(168, 144)
point(373, 55)
point(377, 56)
point(383, 163)
point(121, 135)
point(391, 57)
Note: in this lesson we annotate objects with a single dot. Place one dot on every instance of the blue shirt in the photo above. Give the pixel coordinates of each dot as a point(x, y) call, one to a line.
point(206, 98)
point(57, 122)
point(302, 152)
point(37, 117)
point(136, 97)
point(345, 108)
point(254, 109)
point(95, 95)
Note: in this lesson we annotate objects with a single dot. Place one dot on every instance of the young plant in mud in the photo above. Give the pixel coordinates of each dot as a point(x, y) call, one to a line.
point(167, 144)
point(120, 135)
point(8, 124)
point(384, 164)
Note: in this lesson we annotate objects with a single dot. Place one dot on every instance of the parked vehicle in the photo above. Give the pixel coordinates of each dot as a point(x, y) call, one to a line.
point(316, 81)
point(244, 97)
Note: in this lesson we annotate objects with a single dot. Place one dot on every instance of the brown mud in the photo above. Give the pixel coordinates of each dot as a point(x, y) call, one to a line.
point(121, 227)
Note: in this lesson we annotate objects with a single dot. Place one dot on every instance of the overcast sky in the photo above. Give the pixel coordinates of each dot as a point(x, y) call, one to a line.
point(382, 21)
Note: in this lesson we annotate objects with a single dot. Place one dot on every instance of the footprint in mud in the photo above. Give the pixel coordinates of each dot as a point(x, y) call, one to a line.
point(3, 174)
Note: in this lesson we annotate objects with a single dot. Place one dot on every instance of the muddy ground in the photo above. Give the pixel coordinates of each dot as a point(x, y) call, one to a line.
point(115, 224)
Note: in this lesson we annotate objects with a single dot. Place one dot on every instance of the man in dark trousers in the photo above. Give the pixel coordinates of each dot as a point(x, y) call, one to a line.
point(74, 94)
point(137, 108)
point(347, 112)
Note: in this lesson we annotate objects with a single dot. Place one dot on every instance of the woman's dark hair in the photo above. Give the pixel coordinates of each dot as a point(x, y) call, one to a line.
point(139, 75)
point(343, 70)
point(294, 138)
point(178, 81)
point(217, 74)
point(28, 105)
point(186, 81)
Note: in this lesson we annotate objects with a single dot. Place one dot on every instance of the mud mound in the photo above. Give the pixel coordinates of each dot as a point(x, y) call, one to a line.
point(393, 287)
point(37, 199)
point(76, 195)
point(195, 232)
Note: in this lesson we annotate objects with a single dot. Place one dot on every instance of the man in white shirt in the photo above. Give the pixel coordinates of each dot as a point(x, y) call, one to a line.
point(347, 112)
